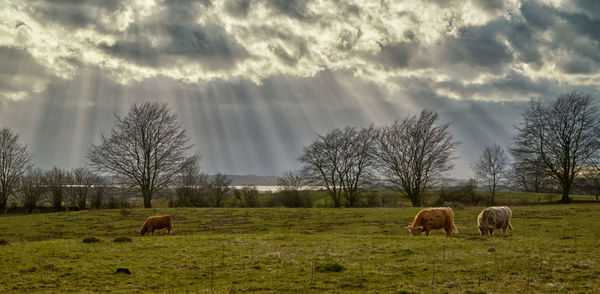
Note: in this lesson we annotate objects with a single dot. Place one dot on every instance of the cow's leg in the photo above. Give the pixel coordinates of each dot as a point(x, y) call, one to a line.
point(448, 231)
point(491, 232)
point(427, 233)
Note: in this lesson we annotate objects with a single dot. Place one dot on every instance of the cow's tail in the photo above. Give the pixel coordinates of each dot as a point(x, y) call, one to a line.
point(170, 229)
point(510, 226)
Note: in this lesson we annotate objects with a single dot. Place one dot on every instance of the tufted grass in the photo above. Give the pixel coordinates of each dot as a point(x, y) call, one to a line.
point(274, 250)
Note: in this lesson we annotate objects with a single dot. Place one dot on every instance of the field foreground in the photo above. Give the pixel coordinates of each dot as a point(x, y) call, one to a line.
point(554, 248)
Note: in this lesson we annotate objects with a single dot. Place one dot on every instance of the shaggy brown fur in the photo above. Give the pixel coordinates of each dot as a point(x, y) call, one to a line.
point(432, 219)
point(153, 223)
point(494, 218)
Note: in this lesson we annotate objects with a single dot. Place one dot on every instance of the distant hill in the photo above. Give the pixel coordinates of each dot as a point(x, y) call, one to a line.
point(248, 180)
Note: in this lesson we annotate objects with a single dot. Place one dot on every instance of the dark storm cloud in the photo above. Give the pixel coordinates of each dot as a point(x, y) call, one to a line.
point(575, 33)
point(19, 70)
point(75, 13)
point(239, 8)
point(184, 40)
point(525, 43)
point(513, 86)
point(396, 54)
point(489, 5)
point(577, 65)
point(209, 44)
point(296, 9)
point(538, 15)
point(478, 46)
point(589, 7)
point(583, 24)
point(181, 11)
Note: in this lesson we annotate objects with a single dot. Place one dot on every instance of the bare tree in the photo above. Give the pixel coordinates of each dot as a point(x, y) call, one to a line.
point(247, 196)
point(531, 175)
point(563, 134)
point(192, 185)
point(491, 168)
point(98, 191)
point(83, 179)
point(220, 185)
point(291, 191)
point(357, 164)
point(56, 181)
point(291, 181)
point(413, 154)
point(147, 147)
point(31, 189)
point(340, 161)
point(14, 161)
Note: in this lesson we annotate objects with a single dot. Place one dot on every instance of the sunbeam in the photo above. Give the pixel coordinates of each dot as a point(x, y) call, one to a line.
point(254, 84)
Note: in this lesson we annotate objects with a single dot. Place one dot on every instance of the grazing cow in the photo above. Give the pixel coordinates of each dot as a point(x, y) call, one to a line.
point(494, 218)
point(156, 223)
point(432, 219)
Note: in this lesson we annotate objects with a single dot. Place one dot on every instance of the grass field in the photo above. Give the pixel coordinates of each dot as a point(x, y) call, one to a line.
point(554, 248)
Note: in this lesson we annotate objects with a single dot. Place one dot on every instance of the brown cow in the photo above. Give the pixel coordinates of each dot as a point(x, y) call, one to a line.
point(494, 218)
point(156, 223)
point(432, 219)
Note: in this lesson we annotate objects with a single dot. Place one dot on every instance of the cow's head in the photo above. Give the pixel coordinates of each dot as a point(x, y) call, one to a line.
point(483, 230)
point(415, 231)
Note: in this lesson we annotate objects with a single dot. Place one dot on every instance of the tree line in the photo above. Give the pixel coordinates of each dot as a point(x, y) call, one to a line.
point(556, 147)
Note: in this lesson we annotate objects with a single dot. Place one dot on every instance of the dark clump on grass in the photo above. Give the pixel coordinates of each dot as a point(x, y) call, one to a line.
point(122, 239)
point(3, 242)
point(403, 251)
point(90, 240)
point(122, 270)
point(330, 267)
point(476, 238)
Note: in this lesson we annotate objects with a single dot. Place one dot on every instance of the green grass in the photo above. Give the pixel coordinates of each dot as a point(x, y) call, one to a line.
point(274, 250)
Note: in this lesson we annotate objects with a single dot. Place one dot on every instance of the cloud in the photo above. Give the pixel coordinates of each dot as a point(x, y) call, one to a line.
point(237, 39)
point(21, 74)
point(490, 6)
point(238, 8)
point(478, 46)
point(209, 45)
point(525, 43)
point(75, 13)
point(297, 9)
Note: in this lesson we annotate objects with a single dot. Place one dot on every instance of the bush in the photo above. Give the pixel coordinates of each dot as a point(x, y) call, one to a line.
point(189, 197)
point(3, 242)
point(122, 239)
point(246, 197)
point(464, 194)
point(291, 198)
point(330, 267)
point(90, 240)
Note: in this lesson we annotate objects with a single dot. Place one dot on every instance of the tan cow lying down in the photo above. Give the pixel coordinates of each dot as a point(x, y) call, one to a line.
point(432, 219)
point(494, 218)
point(156, 223)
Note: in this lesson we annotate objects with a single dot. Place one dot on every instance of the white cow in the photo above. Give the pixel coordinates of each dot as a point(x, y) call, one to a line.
point(494, 218)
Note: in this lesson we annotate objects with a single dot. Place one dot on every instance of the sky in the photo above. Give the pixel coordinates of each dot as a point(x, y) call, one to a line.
point(252, 82)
